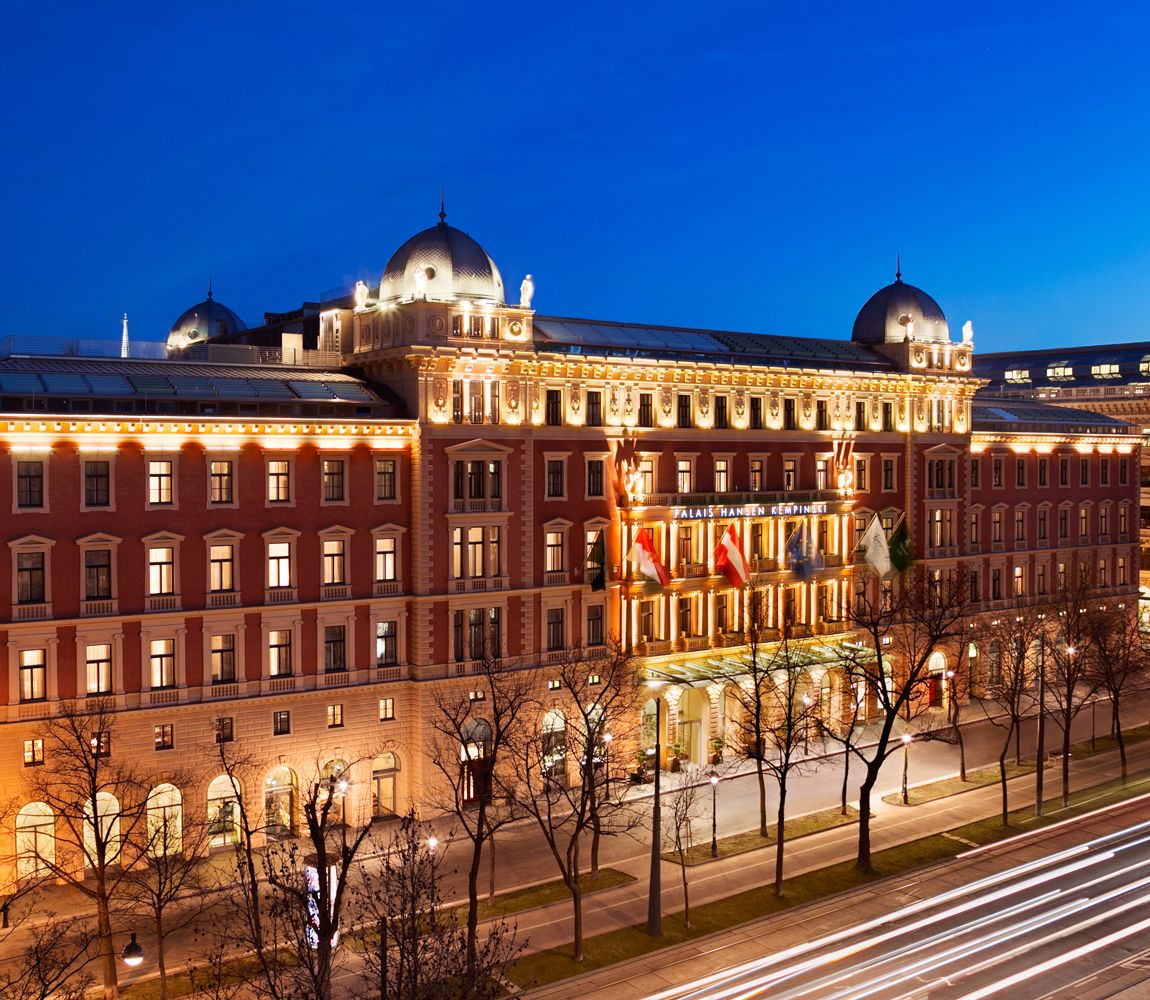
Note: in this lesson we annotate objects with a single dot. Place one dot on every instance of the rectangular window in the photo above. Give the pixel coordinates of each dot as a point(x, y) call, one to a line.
point(30, 578)
point(334, 649)
point(996, 526)
point(386, 709)
point(385, 560)
point(222, 483)
point(860, 415)
point(100, 743)
point(334, 486)
point(279, 481)
point(1104, 471)
point(722, 477)
point(30, 484)
point(757, 540)
point(822, 416)
point(161, 571)
point(756, 475)
point(1020, 472)
point(279, 564)
point(555, 477)
point(494, 552)
point(281, 723)
point(1084, 472)
point(334, 561)
point(97, 483)
point(1043, 517)
point(683, 475)
point(974, 522)
point(224, 729)
point(1040, 578)
point(646, 410)
point(334, 716)
point(475, 399)
point(223, 658)
point(684, 416)
point(476, 480)
point(594, 409)
point(221, 568)
point(722, 613)
point(162, 661)
point(164, 736)
point(756, 413)
point(595, 477)
point(790, 474)
point(385, 479)
point(98, 664)
point(722, 420)
point(553, 552)
point(996, 585)
point(1063, 524)
point(789, 422)
point(494, 479)
point(1103, 522)
point(1019, 526)
point(160, 477)
point(456, 401)
point(861, 475)
point(1043, 471)
point(495, 411)
point(595, 625)
point(386, 644)
point(646, 620)
point(97, 574)
point(996, 473)
point(555, 637)
point(685, 616)
point(888, 416)
point(279, 652)
point(1064, 472)
point(1084, 523)
point(975, 465)
point(1123, 471)
point(33, 752)
point(553, 409)
point(888, 473)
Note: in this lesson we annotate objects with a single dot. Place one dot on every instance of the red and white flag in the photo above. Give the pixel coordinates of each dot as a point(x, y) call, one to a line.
point(729, 558)
point(646, 559)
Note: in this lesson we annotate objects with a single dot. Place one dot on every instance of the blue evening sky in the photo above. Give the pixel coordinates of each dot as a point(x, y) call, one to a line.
point(742, 166)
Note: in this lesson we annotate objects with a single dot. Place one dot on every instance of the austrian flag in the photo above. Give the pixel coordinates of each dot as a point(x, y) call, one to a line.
point(646, 560)
point(729, 558)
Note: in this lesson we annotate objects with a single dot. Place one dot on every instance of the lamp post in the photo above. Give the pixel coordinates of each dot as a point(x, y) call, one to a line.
point(1093, 702)
point(607, 738)
point(906, 739)
point(655, 886)
point(714, 776)
point(133, 953)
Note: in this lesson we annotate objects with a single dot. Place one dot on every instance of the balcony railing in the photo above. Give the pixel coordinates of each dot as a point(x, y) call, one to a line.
point(335, 592)
point(336, 678)
point(393, 672)
point(223, 599)
point(735, 499)
point(162, 602)
point(477, 506)
point(387, 588)
point(165, 696)
point(215, 691)
point(693, 569)
point(280, 595)
point(479, 584)
point(99, 608)
point(556, 578)
point(277, 685)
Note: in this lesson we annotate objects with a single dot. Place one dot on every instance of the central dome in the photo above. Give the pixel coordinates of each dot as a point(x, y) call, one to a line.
point(201, 322)
point(441, 263)
point(898, 312)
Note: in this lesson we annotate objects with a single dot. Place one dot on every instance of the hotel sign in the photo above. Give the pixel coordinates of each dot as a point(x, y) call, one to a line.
point(724, 513)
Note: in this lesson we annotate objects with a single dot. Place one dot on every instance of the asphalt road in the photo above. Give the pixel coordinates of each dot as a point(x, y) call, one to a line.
point(1066, 922)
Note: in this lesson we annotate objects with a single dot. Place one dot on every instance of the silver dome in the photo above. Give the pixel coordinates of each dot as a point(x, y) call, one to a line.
point(897, 311)
point(201, 322)
point(441, 263)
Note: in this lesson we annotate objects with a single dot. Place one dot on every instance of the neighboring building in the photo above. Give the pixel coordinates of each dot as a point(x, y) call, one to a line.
point(304, 527)
point(1113, 379)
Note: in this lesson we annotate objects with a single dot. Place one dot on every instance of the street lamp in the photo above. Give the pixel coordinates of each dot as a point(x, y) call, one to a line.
point(714, 776)
point(906, 740)
point(133, 953)
point(432, 843)
point(607, 738)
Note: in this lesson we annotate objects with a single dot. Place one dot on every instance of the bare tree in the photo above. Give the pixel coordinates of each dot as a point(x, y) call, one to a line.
point(1069, 663)
point(168, 886)
point(1120, 661)
point(420, 951)
point(901, 626)
point(843, 727)
point(1009, 645)
point(51, 960)
point(473, 740)
point(559, 781)
point(683, 810)
point(98, 802)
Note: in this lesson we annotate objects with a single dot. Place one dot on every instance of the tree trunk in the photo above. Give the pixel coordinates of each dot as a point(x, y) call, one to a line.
point(111, 988)
point(596, 831)
point(576, 917)
point(161, 965)
point(1117, 725)
point(862, 862)
point(780, 825)
point(961, 746)
point(1017, 742)
point(1066, 763)
point(846, 776)
point(1002, 777)
point(763, 832)
point(473, 890)
point(686, 895)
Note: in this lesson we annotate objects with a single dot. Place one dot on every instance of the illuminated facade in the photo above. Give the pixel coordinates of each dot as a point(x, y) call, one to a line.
point(293, 555)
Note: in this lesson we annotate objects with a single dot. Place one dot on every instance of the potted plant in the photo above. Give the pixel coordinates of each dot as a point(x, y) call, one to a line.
point(716, 751)
point(639, 773)
point(677, 758)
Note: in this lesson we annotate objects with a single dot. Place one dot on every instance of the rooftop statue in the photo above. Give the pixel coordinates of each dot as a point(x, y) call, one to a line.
point(526, 293)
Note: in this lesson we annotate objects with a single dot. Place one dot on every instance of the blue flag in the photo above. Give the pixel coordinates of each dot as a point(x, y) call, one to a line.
point(801, 553)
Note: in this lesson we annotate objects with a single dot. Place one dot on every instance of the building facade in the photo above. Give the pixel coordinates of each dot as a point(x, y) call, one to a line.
point(291, 536)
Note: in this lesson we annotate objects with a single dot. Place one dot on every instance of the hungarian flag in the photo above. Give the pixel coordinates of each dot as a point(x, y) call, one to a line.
point(900, 554)
point(647, 560)
point(597, 564)
point(729, 558)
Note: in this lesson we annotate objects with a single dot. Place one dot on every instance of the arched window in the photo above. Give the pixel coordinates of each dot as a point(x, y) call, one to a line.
point(165, 821)
point(334, 777)
point(554, 739)
point(102, 834)
point(994, 664)
point(384, 777)
point(473, 753)
point(651, 712)
point(223, 811)
point(279, 803)
point(35, 840)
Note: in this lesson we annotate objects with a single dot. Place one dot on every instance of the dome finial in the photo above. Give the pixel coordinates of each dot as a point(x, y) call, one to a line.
point(442, 213)
point(898, 267)
point(209, 288)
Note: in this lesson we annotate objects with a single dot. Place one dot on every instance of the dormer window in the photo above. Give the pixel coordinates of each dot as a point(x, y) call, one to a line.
point(1018, 375)
point(1106, 369)
point(1061, 371)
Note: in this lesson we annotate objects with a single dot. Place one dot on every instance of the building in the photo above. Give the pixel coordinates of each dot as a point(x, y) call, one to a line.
point(289, 535)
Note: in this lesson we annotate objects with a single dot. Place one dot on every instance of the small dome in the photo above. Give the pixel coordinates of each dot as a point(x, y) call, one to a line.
point(441, 263)
point(203, 321)
point(897, 311)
